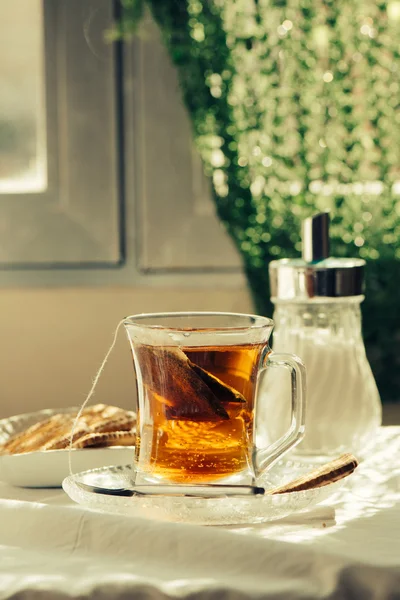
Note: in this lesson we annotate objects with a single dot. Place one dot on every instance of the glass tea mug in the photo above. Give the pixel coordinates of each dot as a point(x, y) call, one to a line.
point(198, 396)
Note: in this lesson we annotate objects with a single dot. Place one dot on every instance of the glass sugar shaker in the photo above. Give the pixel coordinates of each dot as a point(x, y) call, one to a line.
point(317, 316)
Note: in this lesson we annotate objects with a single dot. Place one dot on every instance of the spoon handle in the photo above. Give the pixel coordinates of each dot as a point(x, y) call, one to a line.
point(323, 475)
point(328, 473)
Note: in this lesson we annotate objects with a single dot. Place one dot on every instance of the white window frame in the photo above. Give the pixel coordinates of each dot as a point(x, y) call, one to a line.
point(128, 150)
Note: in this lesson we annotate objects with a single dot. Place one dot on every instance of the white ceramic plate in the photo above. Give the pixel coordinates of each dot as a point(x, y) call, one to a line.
point(48, 469)
point(205, 511)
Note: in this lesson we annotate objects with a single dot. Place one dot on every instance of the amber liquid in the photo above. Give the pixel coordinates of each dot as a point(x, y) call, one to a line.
point(195, 421)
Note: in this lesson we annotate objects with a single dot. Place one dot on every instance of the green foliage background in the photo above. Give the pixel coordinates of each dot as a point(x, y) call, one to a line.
point(294, 106)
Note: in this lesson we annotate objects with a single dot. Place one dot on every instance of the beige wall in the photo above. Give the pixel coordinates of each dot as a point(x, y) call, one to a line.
point(53, 341)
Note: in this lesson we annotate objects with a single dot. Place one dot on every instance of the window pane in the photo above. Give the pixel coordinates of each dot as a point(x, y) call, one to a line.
point(22, 97)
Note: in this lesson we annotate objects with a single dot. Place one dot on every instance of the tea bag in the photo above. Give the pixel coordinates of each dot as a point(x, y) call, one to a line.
point(186, 390)
point(223, 391)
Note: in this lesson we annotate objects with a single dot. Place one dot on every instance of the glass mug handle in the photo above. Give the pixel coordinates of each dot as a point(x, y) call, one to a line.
point(263, 458)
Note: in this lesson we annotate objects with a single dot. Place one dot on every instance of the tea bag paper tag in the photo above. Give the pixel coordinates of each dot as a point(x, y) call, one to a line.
point(91, 392)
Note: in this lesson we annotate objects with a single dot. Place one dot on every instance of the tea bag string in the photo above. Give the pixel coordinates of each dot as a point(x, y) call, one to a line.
point(91, 392)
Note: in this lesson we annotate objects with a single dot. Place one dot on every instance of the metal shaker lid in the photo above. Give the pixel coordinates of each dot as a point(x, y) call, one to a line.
point(315, 238)
point(316, 275)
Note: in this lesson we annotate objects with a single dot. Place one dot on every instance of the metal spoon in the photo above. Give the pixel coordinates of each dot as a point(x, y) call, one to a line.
point(328, 473)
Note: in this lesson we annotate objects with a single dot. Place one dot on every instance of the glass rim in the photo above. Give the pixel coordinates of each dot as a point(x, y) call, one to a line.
point(259, 322)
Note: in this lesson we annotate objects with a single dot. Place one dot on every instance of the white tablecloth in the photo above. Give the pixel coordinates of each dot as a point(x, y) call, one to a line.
point(347, 548)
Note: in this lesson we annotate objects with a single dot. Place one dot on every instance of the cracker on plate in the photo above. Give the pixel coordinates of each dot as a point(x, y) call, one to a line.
point(93, 429)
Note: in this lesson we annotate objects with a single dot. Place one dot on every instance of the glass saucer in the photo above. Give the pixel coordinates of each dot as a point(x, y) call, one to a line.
point(204, 511)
